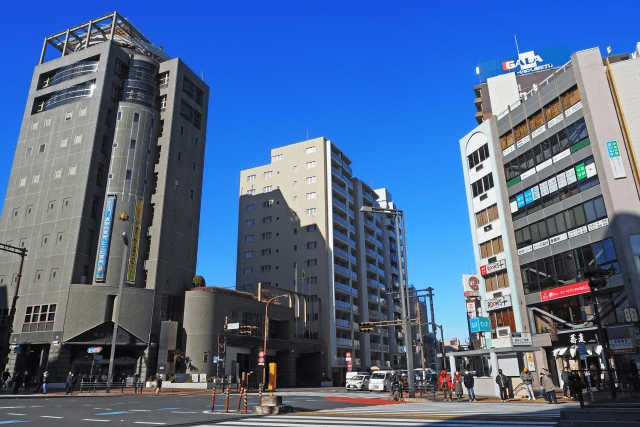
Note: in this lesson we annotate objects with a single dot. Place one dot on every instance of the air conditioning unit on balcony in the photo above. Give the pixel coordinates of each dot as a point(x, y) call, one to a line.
point(503, 332)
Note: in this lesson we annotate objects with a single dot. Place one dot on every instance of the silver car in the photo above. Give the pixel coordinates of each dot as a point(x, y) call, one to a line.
point(359, 382)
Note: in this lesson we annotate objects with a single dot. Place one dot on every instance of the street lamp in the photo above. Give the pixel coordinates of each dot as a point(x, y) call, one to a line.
point(406, 332)
point(444, 351)
point(266, 333)
point(125, 257)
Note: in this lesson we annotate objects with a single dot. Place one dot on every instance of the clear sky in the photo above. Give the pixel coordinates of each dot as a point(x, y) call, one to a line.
point(389, 82)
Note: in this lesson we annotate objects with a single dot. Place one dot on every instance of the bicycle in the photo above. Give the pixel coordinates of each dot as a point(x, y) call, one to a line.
point(396, 392)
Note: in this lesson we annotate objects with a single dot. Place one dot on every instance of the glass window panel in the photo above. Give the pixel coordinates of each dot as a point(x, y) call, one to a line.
point(27, 318)
point(29, 310)
point(542, 229)
point(569, 219)
point(526, 236)
point(554, 145)
point(529, 156)
point(45, 308)
point(589, 211)
point(34, 318)
point(537, 154)
point(579, 215)
point(563, 141)
point(33, 327)
point(523, 163)
point(598, 251)
point(481, 154)
point(598, 203)
point(581, 130)
point(43, 317)
point(587, 256)
point(609, 250)
point(52, 308)
point(52, 316)
point(535, 235)
point(36, 309)
point(558, 264)
point(551, 225)
point(546, 149)
point(560, 225)
point(519, 238)
point(49, 326)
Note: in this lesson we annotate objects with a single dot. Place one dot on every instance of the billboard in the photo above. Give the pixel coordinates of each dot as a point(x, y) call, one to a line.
point(565, 291)
point(523, 63)
point(105, 235)
point(480, 324)
point(470, 283)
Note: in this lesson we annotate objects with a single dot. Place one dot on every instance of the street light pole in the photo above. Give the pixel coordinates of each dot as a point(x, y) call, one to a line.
point(125, 257)
point(266, 333)
point(404, 308)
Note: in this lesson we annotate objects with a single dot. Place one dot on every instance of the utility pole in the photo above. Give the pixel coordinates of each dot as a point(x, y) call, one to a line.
point(421, 347)
point(12, 312)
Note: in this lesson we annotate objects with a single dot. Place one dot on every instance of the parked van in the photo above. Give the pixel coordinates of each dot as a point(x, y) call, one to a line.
point(380, 381)
point(353, 374)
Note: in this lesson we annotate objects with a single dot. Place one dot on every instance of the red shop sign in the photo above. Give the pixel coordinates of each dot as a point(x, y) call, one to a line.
point(565, 291)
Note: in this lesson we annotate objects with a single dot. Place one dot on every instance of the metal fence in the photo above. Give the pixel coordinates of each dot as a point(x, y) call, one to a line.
point(613, 388)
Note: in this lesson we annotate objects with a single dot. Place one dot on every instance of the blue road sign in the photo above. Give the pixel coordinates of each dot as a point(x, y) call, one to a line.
point(582, 349)
point(215, 359)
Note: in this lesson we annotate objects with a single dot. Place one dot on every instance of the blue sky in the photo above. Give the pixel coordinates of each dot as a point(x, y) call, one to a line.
point(389, 82)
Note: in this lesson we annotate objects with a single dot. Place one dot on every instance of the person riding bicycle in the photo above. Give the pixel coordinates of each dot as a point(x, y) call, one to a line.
point(396, 386)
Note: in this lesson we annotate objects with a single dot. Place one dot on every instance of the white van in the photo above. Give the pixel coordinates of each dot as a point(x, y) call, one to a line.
point(380, 381)
point(353, 374)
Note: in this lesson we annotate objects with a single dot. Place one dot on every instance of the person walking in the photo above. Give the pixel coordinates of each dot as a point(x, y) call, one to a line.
point(158, 386)
point(527, 381)
point(549, 387)
point(5, 378)
point(17, 380)
point(469, 383)
point(71, 381)
point(445, 385)
point(458, 386)
point(566, 384)
point(45, 381)
point(503, 383)
point(27, 380)
point(594, 377)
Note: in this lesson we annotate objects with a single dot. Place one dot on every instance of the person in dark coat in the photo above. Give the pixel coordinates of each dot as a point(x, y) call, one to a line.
point(17, 380)
point(503, 383)
point(71, 381)
point(566, 375)
point(27, 380)
point(549, 387)
point(5, 378)
point(575, 385)
point(469, 382)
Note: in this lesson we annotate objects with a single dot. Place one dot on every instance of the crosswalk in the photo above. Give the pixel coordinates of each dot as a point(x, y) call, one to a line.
point(446, 410)
point(336, 421)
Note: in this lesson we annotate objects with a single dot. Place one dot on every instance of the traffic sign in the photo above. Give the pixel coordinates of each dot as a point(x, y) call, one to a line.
point(582, 349)
point(348, 354)
point(215, 359)
point(261, 353)
point(404, 348)
point(91, 350)
point(231, 326)
point(261, 361)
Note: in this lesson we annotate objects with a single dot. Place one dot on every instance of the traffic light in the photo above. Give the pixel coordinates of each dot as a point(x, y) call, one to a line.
point(366, 327)
point(245, 330)
point(205, 357)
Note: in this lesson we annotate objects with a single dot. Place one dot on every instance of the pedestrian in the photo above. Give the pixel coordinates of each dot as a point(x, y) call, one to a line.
point(594, 377)
point(503, 383)
point(549, 387)
point(5, 378)
point(575, 386)
point(136, 383)
point(45, 381)
point(27, 380)
point(458, 385)
point(566, 374)
point(71, 381)
point(527, 381)
point(445, 385)
point(17, 380)
point(469, 383)
point(39, 383)
point(158, 386)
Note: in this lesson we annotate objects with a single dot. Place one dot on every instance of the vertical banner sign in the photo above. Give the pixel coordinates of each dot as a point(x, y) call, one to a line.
point(135, 241)
point(615, 160)
point(105, 235)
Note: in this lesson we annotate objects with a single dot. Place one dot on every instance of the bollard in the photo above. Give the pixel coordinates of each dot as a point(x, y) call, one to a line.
point(240, 398)
point(213, 398)
point(226, 401)
point(245, 401)
point(260, 394)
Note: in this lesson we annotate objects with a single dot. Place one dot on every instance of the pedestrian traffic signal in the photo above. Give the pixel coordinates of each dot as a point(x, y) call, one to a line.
point(366, 326)
point(205, 357)
point(245, 330)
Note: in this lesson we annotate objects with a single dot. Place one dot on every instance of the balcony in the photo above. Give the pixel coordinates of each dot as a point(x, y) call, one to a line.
point(356, 362)
point(343, 305)
point(341, 360)
point(344, 254)
point(381, 272)
point(344, 238)
point(347, 167)
point(342, 323)
point(372, 267)
point(375, 314)
point(336, 157)
point(374, 298)
point(338, 173)
point(368, 196)
point(340, 220)
point(342, 287)
point(376, 346)
point(385, 347)
point(344, 342)
point(351, 213)
point(342, 270)
point(339, 189)
point(340, 205)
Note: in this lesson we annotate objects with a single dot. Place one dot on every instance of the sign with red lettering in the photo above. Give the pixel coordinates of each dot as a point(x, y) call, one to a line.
point(565, 291)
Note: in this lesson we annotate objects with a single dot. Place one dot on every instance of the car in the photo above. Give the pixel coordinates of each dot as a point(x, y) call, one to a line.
point(380, 381)
point(358, 382)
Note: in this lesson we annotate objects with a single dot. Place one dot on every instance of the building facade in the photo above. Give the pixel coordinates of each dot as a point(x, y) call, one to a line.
point(301, 229)
point(551, 191)
point(105, 186)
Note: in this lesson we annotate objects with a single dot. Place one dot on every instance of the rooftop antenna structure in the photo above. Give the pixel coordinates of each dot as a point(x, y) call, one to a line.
point(202, 75)
point(609, 50)
point(478, 74)
point(307, 133)
point(517, 48)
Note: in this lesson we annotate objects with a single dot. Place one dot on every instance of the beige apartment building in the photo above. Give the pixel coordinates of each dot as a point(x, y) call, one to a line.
point(300, 229)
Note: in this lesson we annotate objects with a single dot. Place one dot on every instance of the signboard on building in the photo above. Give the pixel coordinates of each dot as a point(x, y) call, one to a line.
point(470, 283)
point(480, 324)
point(565, 291)
point(577, 336)
point(105, 235)
point(498, 303)
point(616, 161)
point(521, 338)
point(523, 63)
point(622, 339)
point(493, 267)
point(471, 308)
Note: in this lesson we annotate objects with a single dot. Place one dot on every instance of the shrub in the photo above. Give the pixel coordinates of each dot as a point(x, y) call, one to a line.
point(198, 282)
point(190, 380)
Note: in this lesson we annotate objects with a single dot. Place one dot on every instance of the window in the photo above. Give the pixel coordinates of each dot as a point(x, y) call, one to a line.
point(267, 204)
point(103, 146)
point(312, 227)
point(295, 198)
point(39, 317)
point(267, 188)
point(295, 183)
point(266, 220)
point(501, 318)
point(312, 262)
point(251, 178)
point(311, 211)
point(193, 166)
point(266, 235)
point(107, 118)
point(312, 280)
point(94, 207)
point(47, 121)
point(311, 165)
point(136, 117)
point(266, 251)
point(311, 180)
point(128, 175)
point(41, 149)
point(181, 130)
point(179, 155)
point(64, 142)
point(191, 194)
point(72, 170)
point(310, 150)
point(28, 152)
point(23, 181)
point(248, 254)
point(99, 174)
point(482, 185)
point(311, 195)
point(248, 270)
point(36, 178)
point(295, 169)
point(491, 247)
point(487, 215)
point(268, 174)
point(276, 158)
point(496, 281)
point(312, 245)
point(251, 192)
point(68, 115)
point(251, 207)
point(248, 238)
point(478, 156)
point(82, 112)
point(34, 126)
point(265, 268)
point(132, 145)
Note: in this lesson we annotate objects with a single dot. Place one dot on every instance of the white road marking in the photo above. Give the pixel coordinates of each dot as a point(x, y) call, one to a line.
point(147, 422)
point(9, 413)
point(102, 421)
point(140, 410)
point(12, 407)
point(184, 412)
point(50, 416)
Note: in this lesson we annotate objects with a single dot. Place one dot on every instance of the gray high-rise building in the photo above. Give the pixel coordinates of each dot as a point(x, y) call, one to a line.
point(105, 186)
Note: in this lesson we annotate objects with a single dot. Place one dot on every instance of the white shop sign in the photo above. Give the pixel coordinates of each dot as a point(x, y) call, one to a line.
point(576, 107)
point(538, 131)
point(540, 245)
point(578, 231)
point(525, 250)
point(558, 238)
point(521, 338)
point(598, 224)
point(561, 155)
point(508, 150)
point(544, 188)
point(571, 176)
point(523, 141)
point(557, 119)
point(562, 180)
point(498, 303)
point(514, 206)
point(544, 165)
point(527, 174)
point(553, 185)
